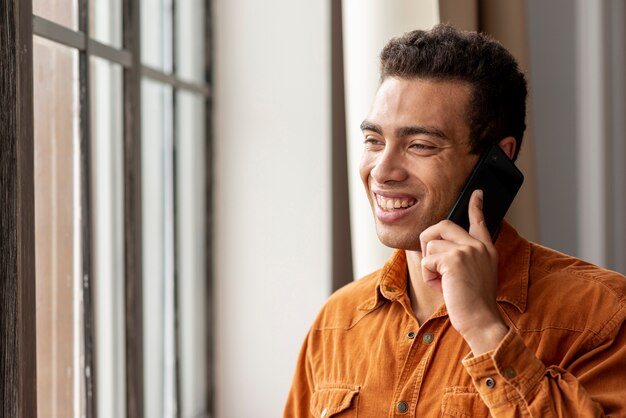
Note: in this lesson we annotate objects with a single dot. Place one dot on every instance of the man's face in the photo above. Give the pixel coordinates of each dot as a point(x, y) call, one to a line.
point(416, 156)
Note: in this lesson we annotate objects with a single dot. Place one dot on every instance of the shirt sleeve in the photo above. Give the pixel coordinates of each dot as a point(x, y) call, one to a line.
point(299, 398)
point(513, 382)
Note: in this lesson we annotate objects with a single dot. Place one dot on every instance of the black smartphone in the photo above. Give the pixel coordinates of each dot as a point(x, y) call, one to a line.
point(499, 179)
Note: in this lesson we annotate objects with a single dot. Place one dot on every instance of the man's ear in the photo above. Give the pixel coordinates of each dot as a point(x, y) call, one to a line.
point(508, 145)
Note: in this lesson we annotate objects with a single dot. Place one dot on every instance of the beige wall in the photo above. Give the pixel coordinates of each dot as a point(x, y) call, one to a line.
point(272, 195)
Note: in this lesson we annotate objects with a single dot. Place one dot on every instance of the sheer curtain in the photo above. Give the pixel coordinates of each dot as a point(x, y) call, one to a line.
point(367, 26)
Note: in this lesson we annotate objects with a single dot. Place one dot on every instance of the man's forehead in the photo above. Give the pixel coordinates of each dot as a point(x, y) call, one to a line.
point(433, 107)
point(413, 88)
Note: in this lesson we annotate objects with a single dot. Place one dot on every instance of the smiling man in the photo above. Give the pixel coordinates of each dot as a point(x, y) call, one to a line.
point(454, 324)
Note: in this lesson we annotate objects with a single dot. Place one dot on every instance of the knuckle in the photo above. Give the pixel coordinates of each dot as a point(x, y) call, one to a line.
point(447, 223)
point(458, 257)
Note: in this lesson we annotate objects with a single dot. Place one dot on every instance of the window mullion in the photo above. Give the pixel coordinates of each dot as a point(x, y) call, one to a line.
point(133, 247)
point(176, 278)
point(87, 216)
point(208, 161)
point(59, 33)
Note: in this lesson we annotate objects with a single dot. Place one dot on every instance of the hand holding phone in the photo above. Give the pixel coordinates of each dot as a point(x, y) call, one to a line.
point(499, 179)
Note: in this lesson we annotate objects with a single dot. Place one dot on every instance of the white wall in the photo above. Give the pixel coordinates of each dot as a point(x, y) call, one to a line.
point(272, 195)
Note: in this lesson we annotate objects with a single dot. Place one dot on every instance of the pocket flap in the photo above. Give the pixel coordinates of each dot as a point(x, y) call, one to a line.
point(463, 402)
point(328, 401)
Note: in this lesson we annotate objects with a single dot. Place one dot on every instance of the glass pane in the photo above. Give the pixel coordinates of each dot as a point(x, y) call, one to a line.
point(190, 19)
point(191, 227)
point(58, 263)
point(158, 252)
point(156, 34)
point(108, 236)
point(105, 21)
point(63, 12)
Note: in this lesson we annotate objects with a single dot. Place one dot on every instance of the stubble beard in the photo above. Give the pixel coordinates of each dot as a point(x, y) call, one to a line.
point(404, 238)
point(408, 237)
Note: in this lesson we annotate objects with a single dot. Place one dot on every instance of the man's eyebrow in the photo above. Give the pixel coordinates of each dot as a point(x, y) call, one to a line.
point(369, 126)
point(421, 130)
point(406, 130)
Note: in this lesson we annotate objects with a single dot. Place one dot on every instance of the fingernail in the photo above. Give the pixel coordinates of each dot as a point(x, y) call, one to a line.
point(479, 194)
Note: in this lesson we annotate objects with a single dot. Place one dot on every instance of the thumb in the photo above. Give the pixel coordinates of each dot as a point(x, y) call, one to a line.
point(478, 226)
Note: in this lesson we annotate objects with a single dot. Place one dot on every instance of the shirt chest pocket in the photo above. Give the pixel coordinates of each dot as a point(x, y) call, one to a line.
point(463, 402)
point(339, 401)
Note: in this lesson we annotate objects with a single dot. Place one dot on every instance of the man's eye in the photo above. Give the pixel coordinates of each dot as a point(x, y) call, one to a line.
point(422, 147)
point(373, 142)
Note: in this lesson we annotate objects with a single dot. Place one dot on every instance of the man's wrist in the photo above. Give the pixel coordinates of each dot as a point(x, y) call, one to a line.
point(486, 338)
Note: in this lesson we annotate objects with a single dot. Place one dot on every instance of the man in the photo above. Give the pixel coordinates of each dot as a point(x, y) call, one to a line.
point(453, 324)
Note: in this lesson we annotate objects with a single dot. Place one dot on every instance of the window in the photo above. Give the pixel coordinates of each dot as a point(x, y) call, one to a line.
point(107, 174)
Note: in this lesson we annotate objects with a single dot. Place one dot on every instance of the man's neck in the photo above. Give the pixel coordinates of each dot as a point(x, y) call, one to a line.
point(424, 300)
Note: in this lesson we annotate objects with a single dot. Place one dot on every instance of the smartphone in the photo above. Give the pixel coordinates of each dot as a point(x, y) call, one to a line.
point(499, 179)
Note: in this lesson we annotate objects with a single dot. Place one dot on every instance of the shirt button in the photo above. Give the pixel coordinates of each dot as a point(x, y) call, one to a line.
point(510, 372)
point(402, 407)
point(428, 338)
point(324, 412)
point(490, 383)
point(411, 335)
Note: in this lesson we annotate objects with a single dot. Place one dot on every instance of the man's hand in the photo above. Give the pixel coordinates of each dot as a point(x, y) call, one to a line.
point(464, 266)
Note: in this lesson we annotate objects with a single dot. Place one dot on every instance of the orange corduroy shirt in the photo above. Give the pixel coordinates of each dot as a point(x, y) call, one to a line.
point(564, 356)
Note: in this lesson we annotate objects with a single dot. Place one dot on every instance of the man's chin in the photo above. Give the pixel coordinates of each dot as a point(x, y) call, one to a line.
point(401, 243)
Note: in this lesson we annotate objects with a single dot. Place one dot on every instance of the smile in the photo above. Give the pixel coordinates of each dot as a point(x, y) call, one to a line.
point(391, 204)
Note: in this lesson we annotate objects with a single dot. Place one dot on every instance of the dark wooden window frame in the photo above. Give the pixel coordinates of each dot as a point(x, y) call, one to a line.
point(18, 395)
point(342, 272)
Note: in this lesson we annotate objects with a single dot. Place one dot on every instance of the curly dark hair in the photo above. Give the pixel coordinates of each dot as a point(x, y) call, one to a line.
point(498, 99)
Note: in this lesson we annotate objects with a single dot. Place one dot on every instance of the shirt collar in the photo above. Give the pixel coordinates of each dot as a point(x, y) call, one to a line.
point(513, 267)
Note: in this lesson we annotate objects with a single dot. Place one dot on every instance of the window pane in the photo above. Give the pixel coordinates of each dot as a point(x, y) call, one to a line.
point(191, 229)
point(108, 238)
point(158, 255)
point(190, 19)
point(63, 12)
point(105, 21)
point(156, 34)
point(60, 377)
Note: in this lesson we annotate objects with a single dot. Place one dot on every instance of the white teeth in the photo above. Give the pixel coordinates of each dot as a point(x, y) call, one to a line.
point(389, 204)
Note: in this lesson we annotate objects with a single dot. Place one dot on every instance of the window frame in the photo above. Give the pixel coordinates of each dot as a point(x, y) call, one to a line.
point(17, 211)
point(17, 234)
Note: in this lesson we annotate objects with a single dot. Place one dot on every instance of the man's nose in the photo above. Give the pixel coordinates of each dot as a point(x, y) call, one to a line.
point(390, 166)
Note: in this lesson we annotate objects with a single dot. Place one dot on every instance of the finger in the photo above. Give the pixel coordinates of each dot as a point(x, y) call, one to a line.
point(444, 230)
point(439, 246)
point(478, 227)
point(430, 275)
